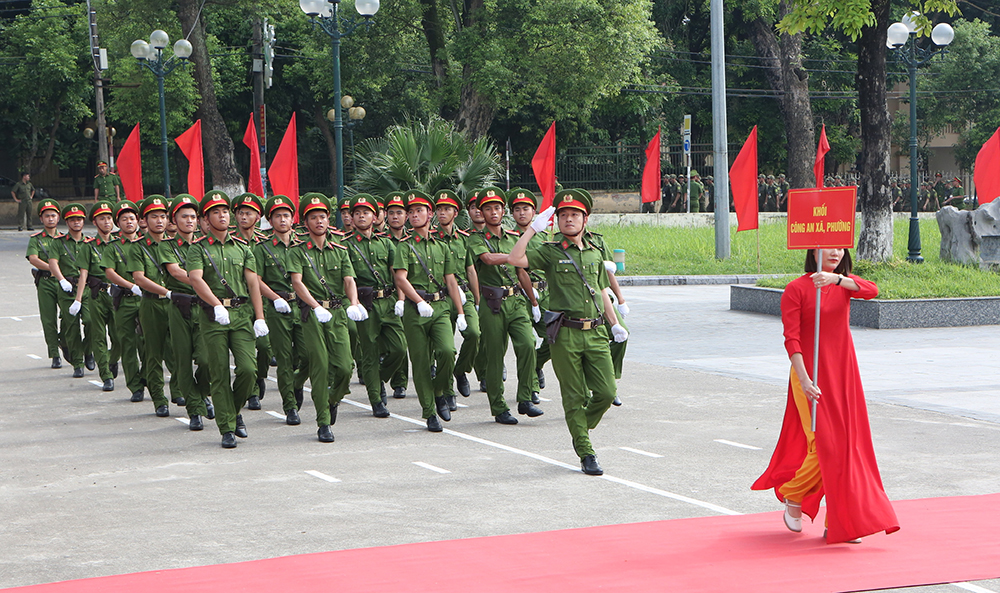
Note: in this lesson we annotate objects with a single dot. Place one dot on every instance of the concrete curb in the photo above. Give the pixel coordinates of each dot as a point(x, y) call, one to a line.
point(694, 279)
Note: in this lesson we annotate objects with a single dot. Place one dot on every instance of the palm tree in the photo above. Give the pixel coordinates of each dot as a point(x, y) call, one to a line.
point(426, 156)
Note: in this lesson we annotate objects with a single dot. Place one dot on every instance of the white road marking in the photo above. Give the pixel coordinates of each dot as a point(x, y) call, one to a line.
point(96, 383)
point(183, 421)
point(461, 405)
point(35, 356)
point(16, 319)
point(740, 445)
point(20, 317)
point(322, 476)
point(550, 461)
point(646, 453)
point(973, 588)
point(276, 415)
point(433, 468)
point(544, 399)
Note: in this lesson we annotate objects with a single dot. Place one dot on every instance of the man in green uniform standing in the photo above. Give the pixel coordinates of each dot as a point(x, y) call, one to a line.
point(125, 295)
point(184, 314)
point(523, 206)
point(67, 256)
point(40, 246)
point(447, 207)
point(101, 320)
point(287, 340)
point(107, 186)
point(502, 289)
point(154, 307)
point(381, 343)
point(249, 209)
point(323, 278)
point(698, 198)
point(223, 274)
point(425, 275)
point(395, 221)
point(23, 193)
point(578, 289)
point(783, 187)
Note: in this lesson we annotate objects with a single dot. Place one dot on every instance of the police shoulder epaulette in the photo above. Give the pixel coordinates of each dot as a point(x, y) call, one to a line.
point(38, 233)
point(515, 233)
point(551, 243)
point(335, 244)
point(199, 239)
point(404, 238)
point(463, 233)
point(595, 234)
point(239, 239)
point(89, 239)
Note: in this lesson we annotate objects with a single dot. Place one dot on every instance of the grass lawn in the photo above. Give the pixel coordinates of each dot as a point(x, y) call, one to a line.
point(690, 251)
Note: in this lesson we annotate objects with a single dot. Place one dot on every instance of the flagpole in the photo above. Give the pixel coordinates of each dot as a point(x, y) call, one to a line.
point(815, 376)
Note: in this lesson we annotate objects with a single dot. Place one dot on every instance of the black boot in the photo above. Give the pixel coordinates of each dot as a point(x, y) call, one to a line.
point(462, 384)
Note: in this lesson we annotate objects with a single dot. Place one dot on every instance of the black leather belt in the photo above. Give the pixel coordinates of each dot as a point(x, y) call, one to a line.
point(233, 302)
point(501, 292)
point(582, 323)
point(330, 304)
point(285, 295)
point(152, 295)
point(431, 297)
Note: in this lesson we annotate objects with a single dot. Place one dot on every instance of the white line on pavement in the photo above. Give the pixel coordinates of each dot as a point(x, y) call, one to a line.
point(973, 588)
point(183, 421)
point(16, 319)
point(433, 468)
point(544, 399)
point(96, 383)
point(19, 317)
point(322, 476)
point(35, 356)
point(276, 415)
point(740, 445)
point(646, 453)
point(461, 405)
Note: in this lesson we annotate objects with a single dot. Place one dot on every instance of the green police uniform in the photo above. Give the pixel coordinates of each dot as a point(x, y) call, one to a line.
point(617, 348)
point(323, 270)
point(401, 378)
point(153, 310)
point(458, 244)
point(105, 186)
point(185, 317)
point(126, 307)
point(46, 286)
point(581, 357)
point(697, 193)
point(101, 313)
point(25, 193)
point(72, 256)
point(227, 259)
point(434, 335)
point(263, 343)
point(540, 286)
point(380, 337)
point(505, 315)
point(287, 340)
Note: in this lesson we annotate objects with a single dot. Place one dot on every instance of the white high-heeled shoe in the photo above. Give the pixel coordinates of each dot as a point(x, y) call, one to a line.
point(792, 523)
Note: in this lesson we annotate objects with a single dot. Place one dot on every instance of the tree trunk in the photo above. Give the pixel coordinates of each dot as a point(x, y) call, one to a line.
point(331, 146)
point(51, 148)
point(475, 110)
point(219, 146)
point(783, 58)
point(431, 23)
point(875, 241)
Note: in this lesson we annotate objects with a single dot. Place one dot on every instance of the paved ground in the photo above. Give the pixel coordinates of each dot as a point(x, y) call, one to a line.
point(95, 485)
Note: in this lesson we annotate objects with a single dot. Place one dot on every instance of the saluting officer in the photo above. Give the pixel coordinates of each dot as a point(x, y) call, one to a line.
point(381, 343)
point(47, 288)
point(447, 207)
point(67, 257)
point(101, 312)
point(502, 288)
point(185, 315)
point(125, 296)
point(282, 315)
point(578, 289)
point(249, 209)
point(323, 278)
point(425, 275)
point(223, 274)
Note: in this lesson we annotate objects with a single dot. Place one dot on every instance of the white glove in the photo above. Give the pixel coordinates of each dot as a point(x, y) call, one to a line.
point(167, 296)
point(357, 313)
point(221, 315)
point(260, 328)
point(282, 306)
point(461, 323)
point(610, 267)
point(465, 299)
point(619, 333)
point(399, 307)
point(65, 285)
point(536, 313)
point(75, 307)
point(623, 309)
point(542, 220)
point(322, 315)
point(136, 290)
point(424, 309)
point(535, 290)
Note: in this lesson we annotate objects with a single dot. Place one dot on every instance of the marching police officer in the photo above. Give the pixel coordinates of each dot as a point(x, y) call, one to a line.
point(67, 257)
point(125, 296)
point(40, 246)
point(101, 313)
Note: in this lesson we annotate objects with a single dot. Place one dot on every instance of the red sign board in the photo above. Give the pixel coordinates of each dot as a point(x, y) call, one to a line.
point(821, 218)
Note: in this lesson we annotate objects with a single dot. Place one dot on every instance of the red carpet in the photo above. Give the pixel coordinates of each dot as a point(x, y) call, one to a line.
point(941, 540)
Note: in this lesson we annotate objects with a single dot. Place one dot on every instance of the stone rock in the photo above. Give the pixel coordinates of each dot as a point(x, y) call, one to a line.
point(959, 241)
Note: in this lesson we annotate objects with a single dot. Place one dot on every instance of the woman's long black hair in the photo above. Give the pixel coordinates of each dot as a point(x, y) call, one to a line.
point(845, 266)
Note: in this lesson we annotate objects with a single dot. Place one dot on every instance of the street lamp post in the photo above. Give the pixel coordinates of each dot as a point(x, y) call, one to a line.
point(326, 14)
point(355, 115)
point(150, 56)
point(899, 35)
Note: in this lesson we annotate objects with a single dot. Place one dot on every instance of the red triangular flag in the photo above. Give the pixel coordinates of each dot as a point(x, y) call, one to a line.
point(651, 172)
point(743, 182)
point(284, 170)
point(130, 167)
point(190, 144)
point(544, 166)
point(255, 184)
point(986, 175)
point(821, 150)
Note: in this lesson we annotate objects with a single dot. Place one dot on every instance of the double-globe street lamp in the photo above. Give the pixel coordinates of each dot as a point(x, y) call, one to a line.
point(150, 55)
point(355, 115)
point(326, 14)
point(902, 37)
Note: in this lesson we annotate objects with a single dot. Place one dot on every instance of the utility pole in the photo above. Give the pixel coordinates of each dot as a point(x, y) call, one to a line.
point(100, 59)
point(720, 131)
point(263, 50)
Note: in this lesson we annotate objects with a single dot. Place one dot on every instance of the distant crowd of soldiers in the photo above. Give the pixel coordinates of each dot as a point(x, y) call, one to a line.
point(931, 195)
point(175, 285)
